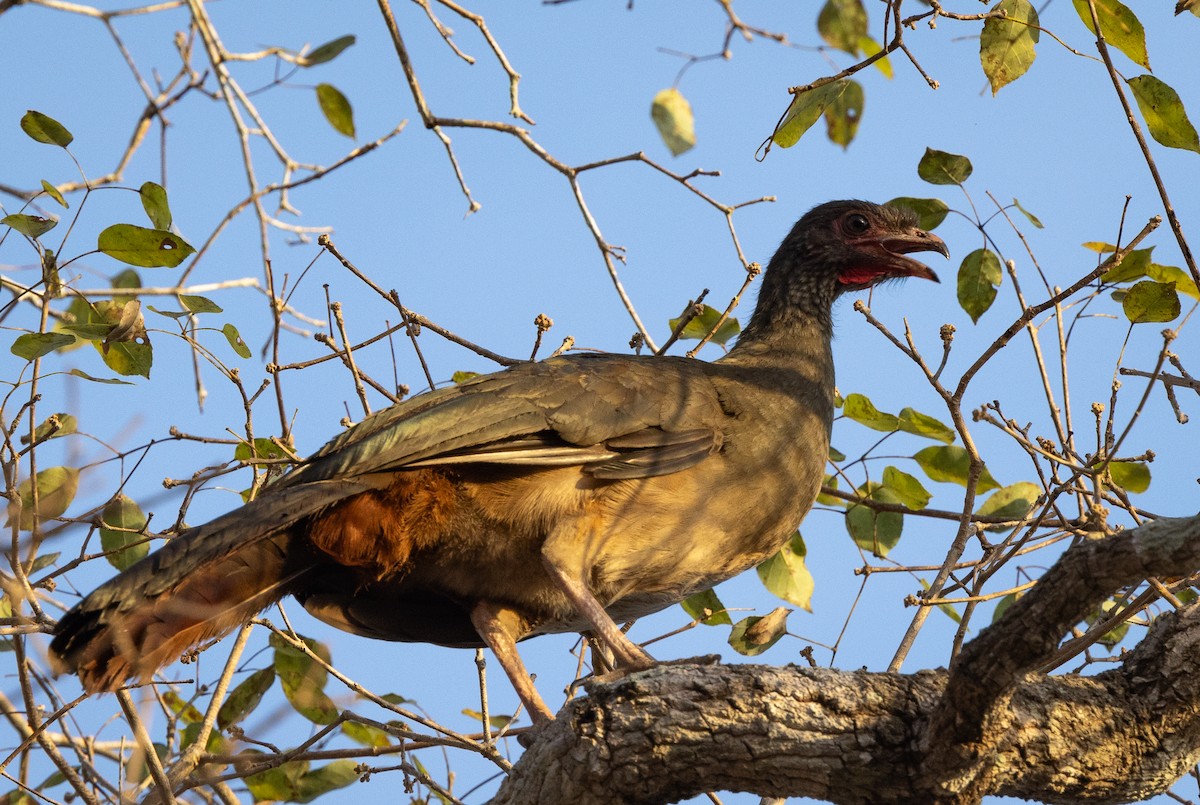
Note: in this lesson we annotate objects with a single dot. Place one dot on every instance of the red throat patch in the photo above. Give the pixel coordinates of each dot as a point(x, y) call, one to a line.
point(860, 275)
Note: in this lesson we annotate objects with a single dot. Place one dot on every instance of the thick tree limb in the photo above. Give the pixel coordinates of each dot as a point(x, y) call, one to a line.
point(985, 727)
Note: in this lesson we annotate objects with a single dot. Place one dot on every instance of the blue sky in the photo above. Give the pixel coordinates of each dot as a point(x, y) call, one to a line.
point(1055, 139)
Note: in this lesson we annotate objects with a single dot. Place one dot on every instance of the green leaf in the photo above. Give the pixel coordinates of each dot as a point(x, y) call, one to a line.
point(235, 340)
point(154, 202)
point(463, 377)
point(806, 108)
point(978, 278)
point(863, 411)
point(707, 608)
point(43, 561)
point(127, 280)
point(930, 211)
point(186, 711)
point(672, 116)
point(32, 346)
point(56, 489)
point(1006, 43)
point(303, 679)
point(1003, 605)
point(126, 346)
point(1012, 502)
point(1149, 301)
point(123, 547)
point(148, 248)
point(947, 610)
point(830, 500)
point(326, 52)
point(53, 193)
point(1135, 264)
point(54, 426)
point(843, 24)
point(31, 226)
point(869, 47)
point(950, 464)
point(1115, 635)
point(244, 698)
point(907, 489)
point(914, 422)
point(843, 115)
point(45, 129)
point(367, 735)
point(1120, 26)
point(330, 777)
point(199, 304)
point(1164, 113)
point(754, 635)
point(113, 381)
point(1132, 476)
point(336, 109)
point(786, 576)
point(942, 167)
point(875, 531)
point(1183, 281)
point(835, 454)
point(263, 448)
point(1033, 219)
point(700, 326)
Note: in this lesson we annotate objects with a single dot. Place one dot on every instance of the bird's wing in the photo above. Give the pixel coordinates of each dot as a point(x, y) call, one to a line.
point(621, 416)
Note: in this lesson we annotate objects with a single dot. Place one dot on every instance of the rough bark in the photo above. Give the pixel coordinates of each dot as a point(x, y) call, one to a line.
point(986, 726)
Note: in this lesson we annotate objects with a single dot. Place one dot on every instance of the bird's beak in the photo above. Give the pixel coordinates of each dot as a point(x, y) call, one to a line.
point(896, 246)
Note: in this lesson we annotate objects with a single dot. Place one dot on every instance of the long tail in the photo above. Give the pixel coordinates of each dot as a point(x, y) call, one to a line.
point(199, 586)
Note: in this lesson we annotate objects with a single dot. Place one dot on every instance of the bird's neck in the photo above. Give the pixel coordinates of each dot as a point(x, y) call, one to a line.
point(793, 315)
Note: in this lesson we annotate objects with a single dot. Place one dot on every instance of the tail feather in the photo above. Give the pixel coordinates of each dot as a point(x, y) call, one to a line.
point(201, 585)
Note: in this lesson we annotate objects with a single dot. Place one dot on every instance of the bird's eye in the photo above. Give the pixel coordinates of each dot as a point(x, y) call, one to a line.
point(857, 224)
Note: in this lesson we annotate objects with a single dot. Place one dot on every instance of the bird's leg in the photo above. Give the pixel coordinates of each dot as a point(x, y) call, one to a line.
point(495, 625)
point(627, 653)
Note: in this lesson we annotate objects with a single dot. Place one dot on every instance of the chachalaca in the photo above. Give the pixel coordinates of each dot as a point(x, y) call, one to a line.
point(567, 495)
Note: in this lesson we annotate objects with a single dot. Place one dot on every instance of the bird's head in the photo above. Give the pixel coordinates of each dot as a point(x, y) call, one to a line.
point(858, 244)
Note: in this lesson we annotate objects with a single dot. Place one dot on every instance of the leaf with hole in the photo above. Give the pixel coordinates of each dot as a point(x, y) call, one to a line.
point(147, 248)
point(235, 340)
point(843, 115)
point(31, 226)
point(672, 116)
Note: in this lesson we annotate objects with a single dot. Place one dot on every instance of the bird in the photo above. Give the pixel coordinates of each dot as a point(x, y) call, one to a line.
point(567, 495)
